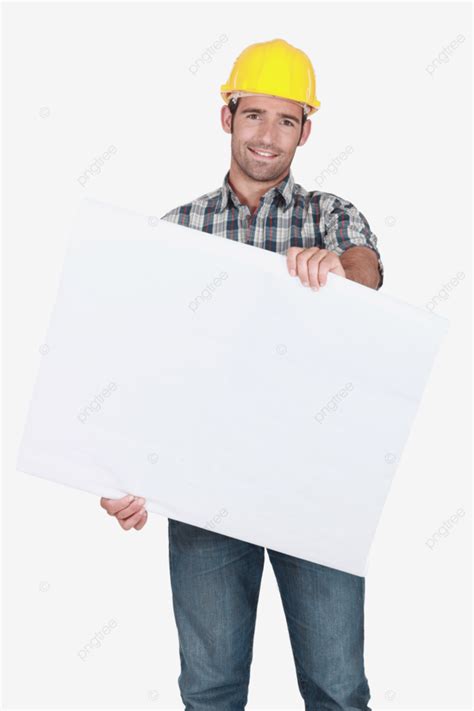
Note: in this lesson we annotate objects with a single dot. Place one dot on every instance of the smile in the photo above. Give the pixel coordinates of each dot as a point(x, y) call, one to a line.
point(265, 155)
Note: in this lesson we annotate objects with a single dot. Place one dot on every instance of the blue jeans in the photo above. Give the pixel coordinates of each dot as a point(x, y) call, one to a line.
point(215, 581)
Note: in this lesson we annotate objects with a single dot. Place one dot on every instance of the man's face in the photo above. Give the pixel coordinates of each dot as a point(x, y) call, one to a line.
point(267, 124)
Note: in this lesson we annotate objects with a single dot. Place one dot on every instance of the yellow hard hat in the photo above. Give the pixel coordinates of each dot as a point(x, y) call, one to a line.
point(275, 68)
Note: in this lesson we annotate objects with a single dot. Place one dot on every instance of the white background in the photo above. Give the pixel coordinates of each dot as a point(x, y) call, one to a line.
point(79, 78)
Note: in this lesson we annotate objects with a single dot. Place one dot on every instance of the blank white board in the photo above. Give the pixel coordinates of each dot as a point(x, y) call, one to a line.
point(194, 371)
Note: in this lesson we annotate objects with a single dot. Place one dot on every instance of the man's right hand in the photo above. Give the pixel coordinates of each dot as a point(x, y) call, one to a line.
point(128, 511)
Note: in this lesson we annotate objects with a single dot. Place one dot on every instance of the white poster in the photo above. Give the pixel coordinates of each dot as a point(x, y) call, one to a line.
point(194, 371)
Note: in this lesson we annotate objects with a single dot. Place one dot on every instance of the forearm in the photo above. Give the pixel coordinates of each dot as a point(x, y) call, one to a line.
point(361, 265)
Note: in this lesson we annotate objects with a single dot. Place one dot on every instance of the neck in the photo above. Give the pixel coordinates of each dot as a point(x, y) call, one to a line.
point(250, 191)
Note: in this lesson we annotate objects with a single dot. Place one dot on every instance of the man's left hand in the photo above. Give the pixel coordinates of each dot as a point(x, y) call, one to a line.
point(312, 265)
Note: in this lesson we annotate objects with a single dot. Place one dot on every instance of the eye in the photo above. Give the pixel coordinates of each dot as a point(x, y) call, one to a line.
point(249, 115)
point(288, 122)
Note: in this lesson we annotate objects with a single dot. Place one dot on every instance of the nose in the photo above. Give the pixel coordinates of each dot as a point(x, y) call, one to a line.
point(267, 135)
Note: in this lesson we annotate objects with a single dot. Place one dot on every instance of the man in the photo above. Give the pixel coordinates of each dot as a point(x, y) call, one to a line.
point(215, 579)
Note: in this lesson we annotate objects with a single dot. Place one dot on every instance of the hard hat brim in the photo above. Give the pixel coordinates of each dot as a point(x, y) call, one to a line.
point(226, 94)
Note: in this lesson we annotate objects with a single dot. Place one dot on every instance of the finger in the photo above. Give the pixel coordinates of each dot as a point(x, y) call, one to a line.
point(314, 265)
point(131, 509)
point(113, 506)
point(331, 263)
point(291, 259)
point(142, 521)
point(328, 264)
point(130, 522)
point(302, 260)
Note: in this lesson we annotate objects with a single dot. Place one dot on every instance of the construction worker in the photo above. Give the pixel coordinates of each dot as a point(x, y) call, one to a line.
point(215, 579)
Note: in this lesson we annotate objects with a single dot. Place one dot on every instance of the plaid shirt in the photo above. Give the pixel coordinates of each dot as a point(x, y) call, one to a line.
point(287, 216)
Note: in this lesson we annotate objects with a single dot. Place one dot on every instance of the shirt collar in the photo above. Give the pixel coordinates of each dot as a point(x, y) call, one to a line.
point(285, 188)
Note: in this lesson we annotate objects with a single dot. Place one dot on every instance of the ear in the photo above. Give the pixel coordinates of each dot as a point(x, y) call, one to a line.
point(226, 119)
point(305, 133)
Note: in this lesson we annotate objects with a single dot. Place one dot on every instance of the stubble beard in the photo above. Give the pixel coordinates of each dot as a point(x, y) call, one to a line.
point(259, 172)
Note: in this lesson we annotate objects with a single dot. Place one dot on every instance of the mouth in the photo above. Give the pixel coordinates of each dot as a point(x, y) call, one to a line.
point(262, 155)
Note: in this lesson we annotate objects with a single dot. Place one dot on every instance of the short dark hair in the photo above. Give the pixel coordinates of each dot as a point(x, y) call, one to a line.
point(233, 104)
